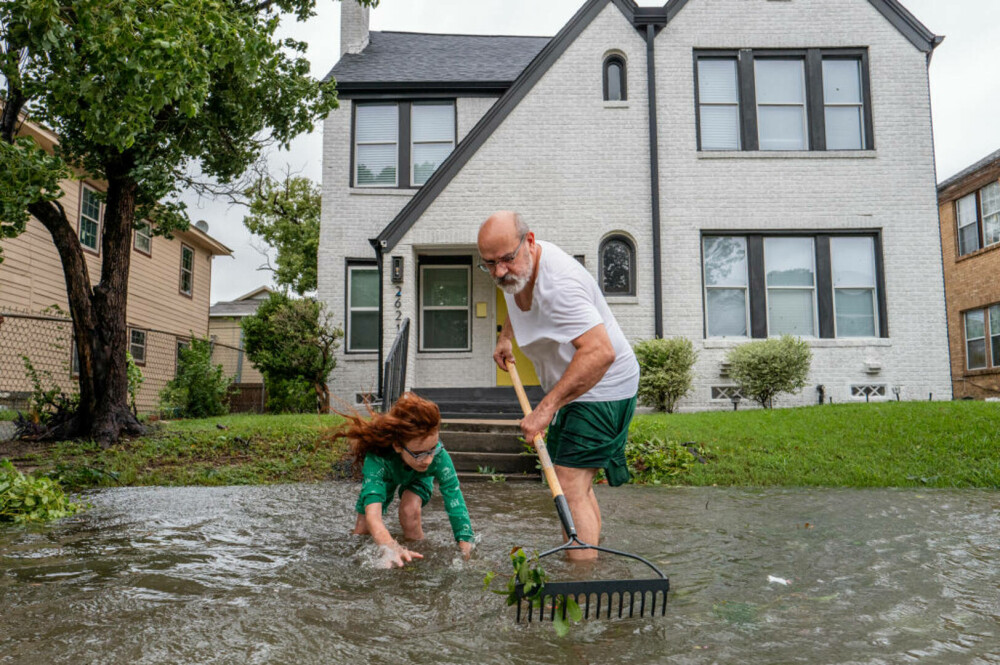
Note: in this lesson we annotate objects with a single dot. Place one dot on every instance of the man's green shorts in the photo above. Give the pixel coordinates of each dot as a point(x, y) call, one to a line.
point(592, 435)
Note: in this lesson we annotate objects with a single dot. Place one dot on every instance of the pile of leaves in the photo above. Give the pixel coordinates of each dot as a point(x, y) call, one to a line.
point(655, 461)
point(25, 499)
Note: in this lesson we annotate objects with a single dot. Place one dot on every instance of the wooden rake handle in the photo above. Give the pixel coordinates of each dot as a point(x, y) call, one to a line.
point(543, 456)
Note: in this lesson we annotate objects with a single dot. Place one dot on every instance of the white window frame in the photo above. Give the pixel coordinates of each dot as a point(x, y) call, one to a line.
point(132, 344)
point(180, 286)
point(814, 288)
point(961, 225)
point(99, 222)
point(467, 308)
point(993, 313)
point(873, 288)
point(985, 338)
point(413, 180)
point(147, 236)
point(993, 213)
point(745, 287)
point(804, 105)
point(351, 309)
point(354, 176)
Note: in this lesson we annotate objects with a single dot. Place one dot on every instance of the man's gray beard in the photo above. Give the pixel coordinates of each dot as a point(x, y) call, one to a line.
point(514, 286)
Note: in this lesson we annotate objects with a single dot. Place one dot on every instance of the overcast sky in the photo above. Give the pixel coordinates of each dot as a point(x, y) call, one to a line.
point(965, 91)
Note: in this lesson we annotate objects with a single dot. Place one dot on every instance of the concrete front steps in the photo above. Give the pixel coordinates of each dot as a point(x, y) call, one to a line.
point(476, 444)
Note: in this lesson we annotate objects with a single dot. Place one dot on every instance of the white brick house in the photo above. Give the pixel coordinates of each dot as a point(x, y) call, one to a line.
point(777, 176)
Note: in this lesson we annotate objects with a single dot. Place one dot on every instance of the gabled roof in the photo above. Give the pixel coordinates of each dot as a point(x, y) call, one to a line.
point(245, 305)
point(401, 59)
point(985, 162)
point(468, 146)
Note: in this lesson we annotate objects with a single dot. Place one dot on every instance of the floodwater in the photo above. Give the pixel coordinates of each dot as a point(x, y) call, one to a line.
point(270, 575)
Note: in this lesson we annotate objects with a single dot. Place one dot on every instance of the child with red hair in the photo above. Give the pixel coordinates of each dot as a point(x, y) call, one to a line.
point(400, 452)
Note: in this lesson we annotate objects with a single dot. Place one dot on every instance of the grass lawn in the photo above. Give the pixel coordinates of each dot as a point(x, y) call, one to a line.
point(909, 444)
point(906, 444)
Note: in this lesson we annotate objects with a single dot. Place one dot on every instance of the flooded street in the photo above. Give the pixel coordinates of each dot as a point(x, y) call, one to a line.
point(270, 575)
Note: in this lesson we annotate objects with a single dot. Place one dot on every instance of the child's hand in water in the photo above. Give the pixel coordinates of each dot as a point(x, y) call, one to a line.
point(395, 555)
point(466, 549)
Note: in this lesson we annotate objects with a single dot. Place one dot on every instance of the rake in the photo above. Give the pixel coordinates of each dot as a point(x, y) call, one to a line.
point(607, 596)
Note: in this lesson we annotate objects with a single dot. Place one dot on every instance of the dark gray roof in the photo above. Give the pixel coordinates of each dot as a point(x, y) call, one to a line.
point(409, 57)
point(982, 163)
point(234, 308)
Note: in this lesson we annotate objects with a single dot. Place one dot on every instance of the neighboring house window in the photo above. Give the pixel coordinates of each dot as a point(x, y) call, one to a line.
point(181, 345)
point(854, 286)
point(137, 346)
point(765, 285)
point(790, 273)
point(615, 79)
point(975, 339)
point(90, 219)
point(401, 144)
point(813, 99)
point(74, 362)
point(718, 104)
point(978, 219)
point(376, 134)
point(444, 307)
point(187, 270)
point(144, 238)
point(433, 130)
point(362, 308)
point(726, 293)
point(617, 266)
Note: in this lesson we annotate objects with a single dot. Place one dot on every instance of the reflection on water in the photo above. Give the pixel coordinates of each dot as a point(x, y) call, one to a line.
point(270, 575)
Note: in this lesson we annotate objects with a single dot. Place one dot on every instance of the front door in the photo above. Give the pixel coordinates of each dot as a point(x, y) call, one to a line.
point(524, 367)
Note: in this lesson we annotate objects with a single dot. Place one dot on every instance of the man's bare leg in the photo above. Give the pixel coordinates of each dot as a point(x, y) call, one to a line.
point(577, 485)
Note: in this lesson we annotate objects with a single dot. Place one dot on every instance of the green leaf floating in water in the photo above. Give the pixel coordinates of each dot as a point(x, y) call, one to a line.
point(529, 573)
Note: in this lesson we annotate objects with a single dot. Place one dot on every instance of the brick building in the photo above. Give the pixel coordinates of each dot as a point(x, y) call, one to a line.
point(969, 204)
point(727, 170)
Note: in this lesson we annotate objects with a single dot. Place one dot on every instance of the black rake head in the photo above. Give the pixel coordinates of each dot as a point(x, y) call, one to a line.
point(610, 599)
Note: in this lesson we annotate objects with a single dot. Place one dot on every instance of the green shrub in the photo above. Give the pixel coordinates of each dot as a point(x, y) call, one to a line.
point(135, 380)
point(29, 498)
point(664, 371)
point(295, 395)
point(654, 460)
point(199, 389)
point(765, 368)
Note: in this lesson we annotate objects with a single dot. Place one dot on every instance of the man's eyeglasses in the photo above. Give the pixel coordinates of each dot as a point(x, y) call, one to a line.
point(425, 454)
point(487, 266)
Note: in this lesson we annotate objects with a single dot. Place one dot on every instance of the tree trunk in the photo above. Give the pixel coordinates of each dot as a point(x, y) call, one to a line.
point(322, 396)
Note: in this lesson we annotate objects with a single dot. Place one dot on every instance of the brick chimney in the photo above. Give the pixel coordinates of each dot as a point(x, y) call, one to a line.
point(353, 27)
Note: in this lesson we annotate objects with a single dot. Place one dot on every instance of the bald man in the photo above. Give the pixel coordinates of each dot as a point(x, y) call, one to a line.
point(563, 324)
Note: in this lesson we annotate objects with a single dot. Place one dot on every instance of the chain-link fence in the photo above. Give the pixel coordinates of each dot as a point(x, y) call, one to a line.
point(46, 341)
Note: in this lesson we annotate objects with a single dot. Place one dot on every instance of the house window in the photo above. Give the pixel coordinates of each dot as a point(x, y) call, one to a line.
point(790, 271)
point(433, 130)
point(995, 334)
point(967, 213)
point(137, 346)
point(376, 132)
point(187, 270)
point(144, 238)
point(718, 104)
point(615, 79)
point(362, 308)
point(726, 297)
point(812, 99)
point(182, 344)
point(854, 300)
point(444, 307)
point(90, 219)
point(975, 339)
point(401, 144)
point(74, 361)
point(617, 258)
point(761, 285)
point(990, 196)
point(781, 104)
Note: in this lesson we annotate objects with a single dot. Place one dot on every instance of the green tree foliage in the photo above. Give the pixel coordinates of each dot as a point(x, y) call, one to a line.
point(286, 215)
point(293, 340)
point(665, 371)
point(765, 368)
point(138, 95)
point(200, 388)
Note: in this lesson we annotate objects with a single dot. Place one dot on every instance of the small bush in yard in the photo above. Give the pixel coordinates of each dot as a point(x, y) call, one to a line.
point(768, 367)
point(664, 371)
point(26, 499)
point(199, 389)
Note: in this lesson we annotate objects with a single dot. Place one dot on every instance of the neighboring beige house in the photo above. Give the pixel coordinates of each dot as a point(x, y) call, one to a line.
point(224, 326)
point(168, 299)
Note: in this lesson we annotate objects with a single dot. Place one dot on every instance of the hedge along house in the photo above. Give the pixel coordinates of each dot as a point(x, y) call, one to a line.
point(728, 170)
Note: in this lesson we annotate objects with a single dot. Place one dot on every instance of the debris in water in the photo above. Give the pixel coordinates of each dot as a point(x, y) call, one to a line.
point(778, 580)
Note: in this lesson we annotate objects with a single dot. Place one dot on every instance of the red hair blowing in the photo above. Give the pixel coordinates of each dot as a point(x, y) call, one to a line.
point(411, 417)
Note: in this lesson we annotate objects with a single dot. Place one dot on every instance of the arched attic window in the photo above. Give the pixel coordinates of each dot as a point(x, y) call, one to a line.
point(615, 78)
point(617, 266)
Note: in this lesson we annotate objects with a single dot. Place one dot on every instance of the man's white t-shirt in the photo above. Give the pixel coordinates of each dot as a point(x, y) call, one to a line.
point(566, 302)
